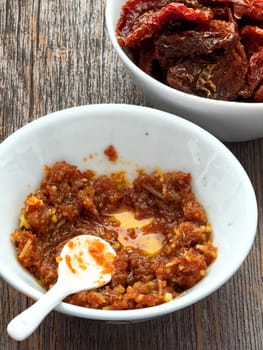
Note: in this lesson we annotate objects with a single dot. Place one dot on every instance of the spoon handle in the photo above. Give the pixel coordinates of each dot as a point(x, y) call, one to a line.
point(25, 323)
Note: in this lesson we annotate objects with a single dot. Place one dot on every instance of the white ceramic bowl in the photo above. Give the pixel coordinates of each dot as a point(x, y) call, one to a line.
point(227, 120)
point(143, 137)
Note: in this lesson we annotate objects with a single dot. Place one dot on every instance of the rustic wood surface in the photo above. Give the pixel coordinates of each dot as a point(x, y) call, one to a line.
point(56, 54)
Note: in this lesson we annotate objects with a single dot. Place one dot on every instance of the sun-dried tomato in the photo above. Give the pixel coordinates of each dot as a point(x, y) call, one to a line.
point(250, 8)
point(202, 40)
point(210, 48)
point(255, 76)
point(131, 32)
point(252, 38)
point(258, 97)
point(133, 9)
point(219, 78)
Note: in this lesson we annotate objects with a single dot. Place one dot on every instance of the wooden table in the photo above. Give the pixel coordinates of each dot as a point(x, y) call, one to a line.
point(54, 55)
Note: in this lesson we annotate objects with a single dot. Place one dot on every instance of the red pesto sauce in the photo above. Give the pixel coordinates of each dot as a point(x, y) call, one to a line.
point(111, 153)
point(155, 261)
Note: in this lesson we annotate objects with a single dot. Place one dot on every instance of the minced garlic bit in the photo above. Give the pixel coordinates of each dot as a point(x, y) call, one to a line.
point(23, 222)
point(168, 297)
point(206, 228)
point(177, 231)
point(33, 201)
point(175, 261)
point(54, 218)
point(119, 289)
point(25, 249)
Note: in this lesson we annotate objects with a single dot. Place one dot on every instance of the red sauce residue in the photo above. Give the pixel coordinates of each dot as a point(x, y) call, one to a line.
point(58, 259)
point(111, 153)
point(68, 262)
point(96, 251)
point(71, 244)
point(103, 259)
point(78, 258)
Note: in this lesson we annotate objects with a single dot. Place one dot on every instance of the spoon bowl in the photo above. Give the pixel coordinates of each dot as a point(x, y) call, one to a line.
point(85, 263)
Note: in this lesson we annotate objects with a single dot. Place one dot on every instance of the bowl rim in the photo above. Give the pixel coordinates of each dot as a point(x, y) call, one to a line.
point(177, 303)
point(167, 89)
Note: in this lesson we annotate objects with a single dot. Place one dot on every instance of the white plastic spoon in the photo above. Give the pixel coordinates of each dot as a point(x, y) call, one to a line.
point(85, 263)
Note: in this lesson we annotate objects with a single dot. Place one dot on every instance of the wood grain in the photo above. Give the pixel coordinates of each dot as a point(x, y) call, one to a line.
point(54, 55)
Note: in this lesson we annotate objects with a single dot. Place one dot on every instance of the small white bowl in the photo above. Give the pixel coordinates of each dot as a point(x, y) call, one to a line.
point(144, 138)
point(227, 120)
